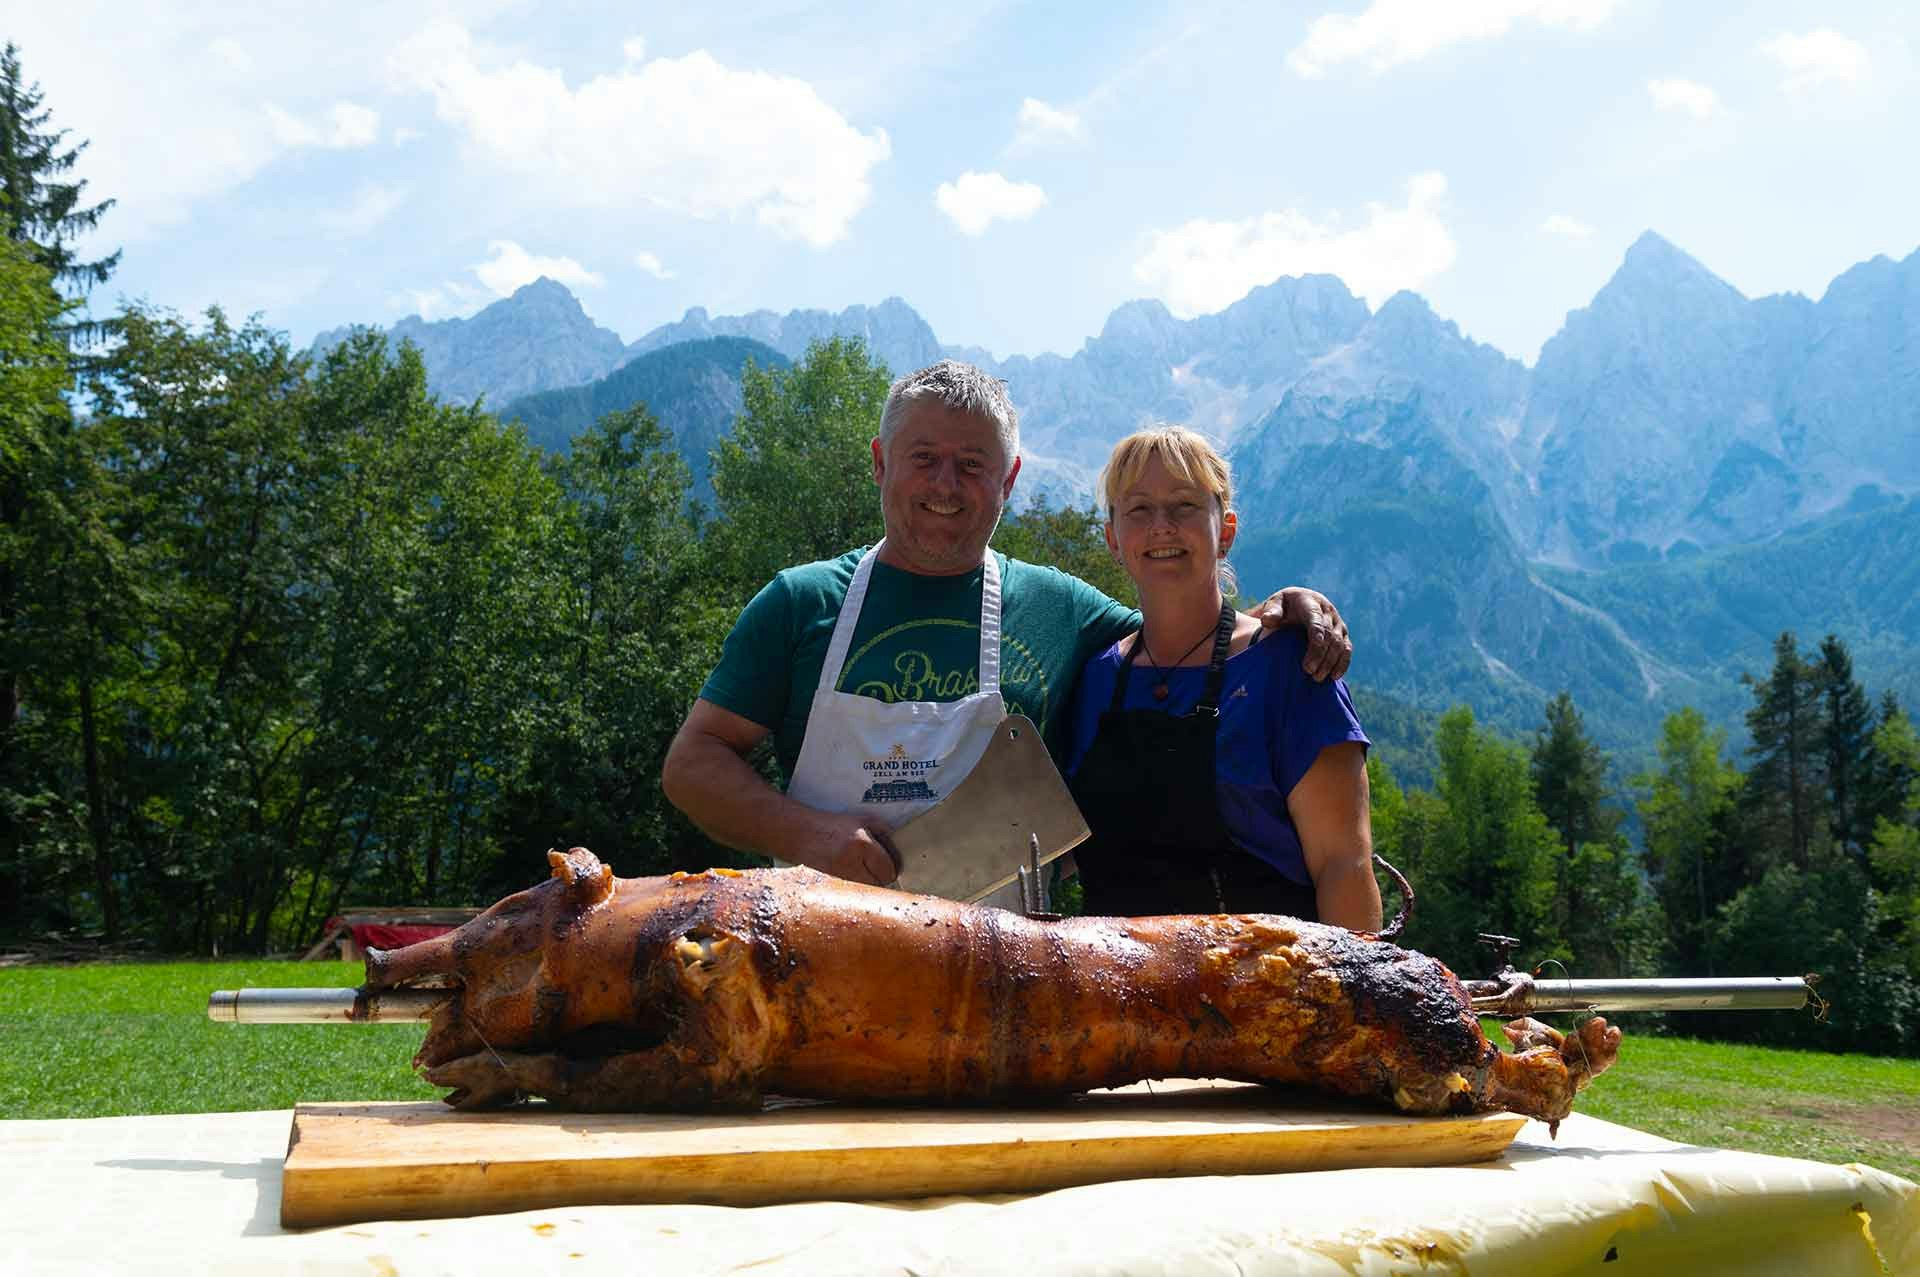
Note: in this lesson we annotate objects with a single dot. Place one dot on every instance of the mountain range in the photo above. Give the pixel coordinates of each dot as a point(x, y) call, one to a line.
point(1599, 522)
point(691, 387)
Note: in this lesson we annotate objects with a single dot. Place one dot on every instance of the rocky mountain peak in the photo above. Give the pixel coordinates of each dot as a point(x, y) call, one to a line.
point(1655, 272)
point(1143, 320)
point(1408, 312)
point(1878, 280)
point(547, 289)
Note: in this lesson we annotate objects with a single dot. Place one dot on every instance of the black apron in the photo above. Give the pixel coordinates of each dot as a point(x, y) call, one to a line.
point(1147, 788)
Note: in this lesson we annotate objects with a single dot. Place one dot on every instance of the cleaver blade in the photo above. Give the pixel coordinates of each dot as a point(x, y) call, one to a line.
point(973, 841)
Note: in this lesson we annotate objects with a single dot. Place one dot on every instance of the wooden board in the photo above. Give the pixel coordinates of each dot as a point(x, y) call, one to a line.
point(352, 1162)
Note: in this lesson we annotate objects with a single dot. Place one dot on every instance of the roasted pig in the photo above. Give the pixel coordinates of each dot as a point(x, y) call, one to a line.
point(704, 991)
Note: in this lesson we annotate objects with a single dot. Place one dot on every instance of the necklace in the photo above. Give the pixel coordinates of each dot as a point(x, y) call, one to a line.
point(1160, 688)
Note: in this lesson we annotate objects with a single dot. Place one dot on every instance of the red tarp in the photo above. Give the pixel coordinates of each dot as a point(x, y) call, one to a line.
point(374, 935)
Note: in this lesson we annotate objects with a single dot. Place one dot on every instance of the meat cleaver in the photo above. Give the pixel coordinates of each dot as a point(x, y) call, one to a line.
point(974, 841)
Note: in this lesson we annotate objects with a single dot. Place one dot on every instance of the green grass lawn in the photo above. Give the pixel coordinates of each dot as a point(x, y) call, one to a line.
point(93, 1041)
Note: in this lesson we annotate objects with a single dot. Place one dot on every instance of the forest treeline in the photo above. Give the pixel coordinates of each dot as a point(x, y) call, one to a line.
point(280, 635)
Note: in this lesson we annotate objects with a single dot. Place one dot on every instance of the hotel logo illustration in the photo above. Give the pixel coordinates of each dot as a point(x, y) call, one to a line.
point(900, 779)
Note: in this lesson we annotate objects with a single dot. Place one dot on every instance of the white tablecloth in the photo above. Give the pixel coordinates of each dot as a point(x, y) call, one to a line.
point(201, 1193)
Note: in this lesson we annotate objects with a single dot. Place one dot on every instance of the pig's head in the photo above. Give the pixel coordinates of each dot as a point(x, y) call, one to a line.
point(516, 926)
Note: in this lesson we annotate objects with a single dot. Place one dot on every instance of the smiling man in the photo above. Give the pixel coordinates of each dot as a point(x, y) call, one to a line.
point(882, 674)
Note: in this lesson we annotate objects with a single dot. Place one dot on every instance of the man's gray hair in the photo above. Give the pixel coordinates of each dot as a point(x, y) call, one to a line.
point(961, 388)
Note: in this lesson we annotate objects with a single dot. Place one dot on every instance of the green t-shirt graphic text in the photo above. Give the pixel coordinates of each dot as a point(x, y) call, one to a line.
point(918, 639)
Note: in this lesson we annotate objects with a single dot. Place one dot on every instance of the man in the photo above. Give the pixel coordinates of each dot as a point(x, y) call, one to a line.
point(882, 674)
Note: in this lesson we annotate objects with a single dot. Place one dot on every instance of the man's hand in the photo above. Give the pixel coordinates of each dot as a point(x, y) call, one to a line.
point(707, 776)
point(1328, 648)
point(849, 849)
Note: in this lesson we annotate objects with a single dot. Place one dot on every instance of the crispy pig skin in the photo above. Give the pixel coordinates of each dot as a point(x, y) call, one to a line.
point(707, 991)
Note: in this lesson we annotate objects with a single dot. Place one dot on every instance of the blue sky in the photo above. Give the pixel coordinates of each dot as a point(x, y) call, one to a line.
point(1013, 172)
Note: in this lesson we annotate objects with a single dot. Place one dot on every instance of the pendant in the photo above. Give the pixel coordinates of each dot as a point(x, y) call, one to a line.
point(1159, 691)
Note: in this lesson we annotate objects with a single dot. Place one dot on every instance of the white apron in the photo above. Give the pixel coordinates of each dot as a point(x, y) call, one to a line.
point(891, 761)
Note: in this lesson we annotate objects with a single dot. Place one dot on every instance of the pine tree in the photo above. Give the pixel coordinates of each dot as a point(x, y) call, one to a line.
point(1601, 904)
point(34, 428)
point(1570, 777)
point(37, 208)
point(1846, 738)
point(1786, 789)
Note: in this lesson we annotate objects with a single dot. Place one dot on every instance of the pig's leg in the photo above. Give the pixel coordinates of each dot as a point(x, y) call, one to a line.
point(715, 1056)
point(664, 1077)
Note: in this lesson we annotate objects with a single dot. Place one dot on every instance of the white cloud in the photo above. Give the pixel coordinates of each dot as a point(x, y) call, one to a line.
point(371, 205)
point(404, 135)
point(651, 265)
point(1570, 227)
point(1204, 266)
point(228, 51)
point(1697, 100)
point(1040, 124)
point(509, 266)
point(1817, 58)
point(346, 125)
point(685, 134)
point(442, 302)
point(1392, 32)
point(180, 118)
point(975, 201)
point(634, 49)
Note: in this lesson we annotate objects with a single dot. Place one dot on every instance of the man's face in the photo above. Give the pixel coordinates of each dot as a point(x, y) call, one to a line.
point(944, 479)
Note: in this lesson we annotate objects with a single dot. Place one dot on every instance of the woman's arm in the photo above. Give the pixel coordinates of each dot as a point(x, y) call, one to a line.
point(1330, 812)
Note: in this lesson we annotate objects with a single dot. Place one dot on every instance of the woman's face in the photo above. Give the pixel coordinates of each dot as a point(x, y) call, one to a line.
point(1166, 531)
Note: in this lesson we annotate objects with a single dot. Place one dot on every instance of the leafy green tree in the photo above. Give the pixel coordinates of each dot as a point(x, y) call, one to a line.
point(1478, 851)
point(1398, 831)
point(310, 643)
point(37, 207)
point(642, 629)
point(1073, 540)
point(1827, 920)
point(454, 669)
point(1894, 855)
point(200, 429)
point(794, 482)
point(1892, 765)
point(432, 572)
point(1686, 807)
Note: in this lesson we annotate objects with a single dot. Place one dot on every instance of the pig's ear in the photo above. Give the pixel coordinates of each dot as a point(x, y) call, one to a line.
point(581, 870)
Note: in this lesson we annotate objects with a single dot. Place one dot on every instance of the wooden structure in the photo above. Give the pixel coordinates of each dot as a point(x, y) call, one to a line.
point(343, 930)
point(351, 1162)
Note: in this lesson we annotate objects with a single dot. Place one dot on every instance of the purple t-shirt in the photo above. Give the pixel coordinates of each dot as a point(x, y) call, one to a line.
point(1274, 721)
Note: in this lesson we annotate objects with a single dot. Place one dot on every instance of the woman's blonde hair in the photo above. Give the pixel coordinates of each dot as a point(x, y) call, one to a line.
point(1189, 454)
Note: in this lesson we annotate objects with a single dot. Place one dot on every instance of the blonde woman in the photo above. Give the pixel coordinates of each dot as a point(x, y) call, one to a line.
point(1216, 775)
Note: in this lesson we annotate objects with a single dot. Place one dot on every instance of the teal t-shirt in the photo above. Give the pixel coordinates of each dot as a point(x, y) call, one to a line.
point(918, 639)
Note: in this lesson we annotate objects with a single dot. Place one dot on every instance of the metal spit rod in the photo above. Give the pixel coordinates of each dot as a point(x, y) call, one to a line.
point(1523, 994)
point(324, 1006)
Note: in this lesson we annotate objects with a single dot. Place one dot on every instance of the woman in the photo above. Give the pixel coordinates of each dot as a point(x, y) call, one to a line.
point(1215, 775)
